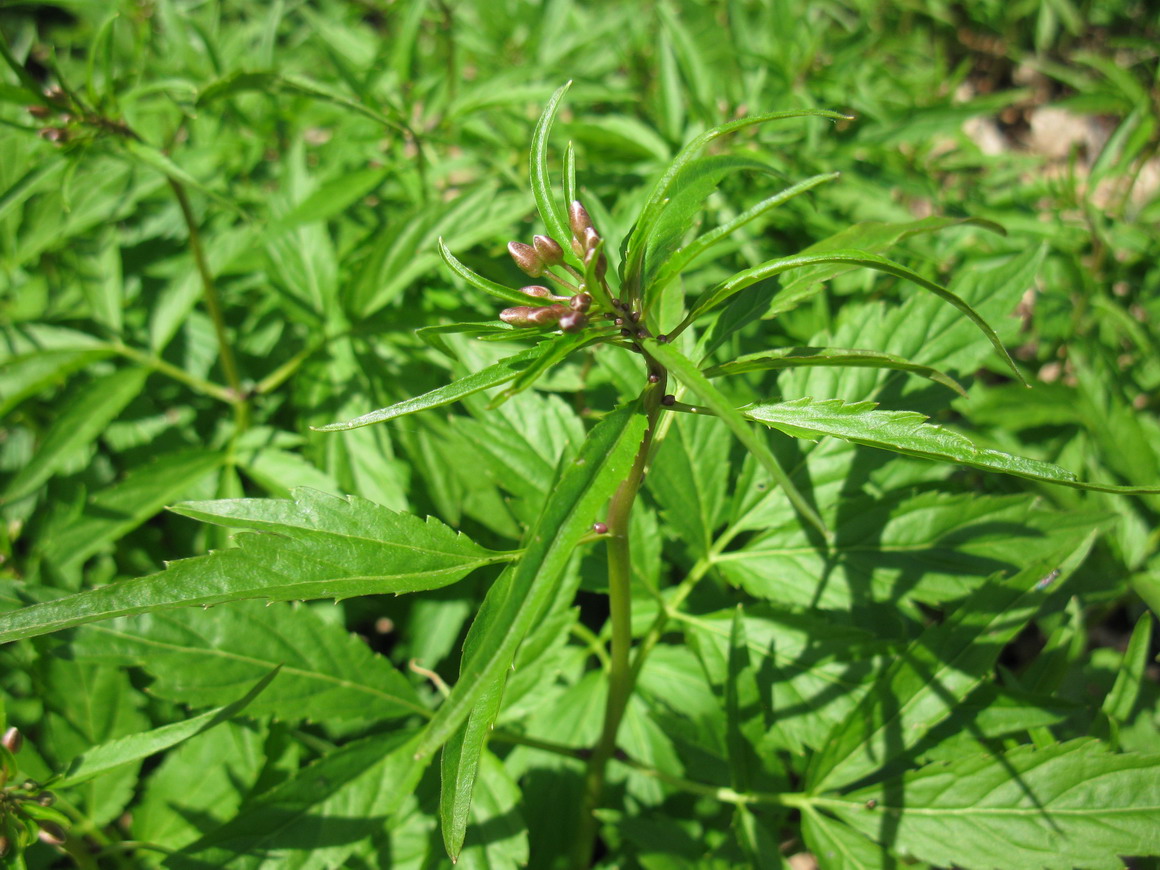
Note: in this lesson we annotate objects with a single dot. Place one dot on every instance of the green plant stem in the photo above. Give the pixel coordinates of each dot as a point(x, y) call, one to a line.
point(620, 680)
point(198, 385)
point(213, 305)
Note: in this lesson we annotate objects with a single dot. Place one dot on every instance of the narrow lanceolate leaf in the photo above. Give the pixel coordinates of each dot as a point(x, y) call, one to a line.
point(684, 257)
point(492, 376)
point(316, 546)
point(934, 675)
point(550, 210)
point(1122, 698)
point(1070, 805)
point(688, 374)
point(135, 747)
point(76, 427)
point(792, 357)
point(491, 287)
point(908, 432)
point(517, 600)
point(459, 767)
point(635, 248)
point(556, 349)
point(318, 818)
point(771, 268)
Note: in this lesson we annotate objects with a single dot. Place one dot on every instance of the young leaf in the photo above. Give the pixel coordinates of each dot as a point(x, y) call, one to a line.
point(317, 546)
point(935, 673)
point(492, 376)
point(907, 432)
point(523, 591)
point(1121, 699)
point(790, 357)
point(481, 283)
point(1071, 805)
point(687, 373)
point(635, 245)
point(682, 258)
point(770, 268)
point(76, 426)
point(550, 210)
point(135, 747)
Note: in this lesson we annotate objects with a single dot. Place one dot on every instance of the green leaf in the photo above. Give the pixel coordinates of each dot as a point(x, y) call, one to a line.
point(266, 82)
point(551, 213)
point(317, 546)
point(202, 660)
point(791, 357)
point(557, 348)
point(907, 432)
point(320, 817)
point(113, 512)
point(522, 592)
point(149, 156)
point(837, 845)
point(770, 268)
point(635, 245)
point(492, 376)
point(687, 373)
point(682, 258)
point(931, 547)
point(1122, 698)
point(1071, 805)
point(76, 426)
point(459, 766)
point(481, 283)
point(135, 747)
point(934, 675)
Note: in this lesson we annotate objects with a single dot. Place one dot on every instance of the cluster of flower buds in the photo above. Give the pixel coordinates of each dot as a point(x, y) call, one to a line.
point(41, 112)
point(535, 259)
point(26, 812)
point(570, 313)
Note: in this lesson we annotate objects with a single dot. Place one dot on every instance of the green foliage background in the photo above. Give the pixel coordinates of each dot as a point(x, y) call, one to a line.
point(322, 149)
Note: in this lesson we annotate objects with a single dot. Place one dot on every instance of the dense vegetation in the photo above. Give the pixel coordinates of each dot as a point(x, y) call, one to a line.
point(751, 545)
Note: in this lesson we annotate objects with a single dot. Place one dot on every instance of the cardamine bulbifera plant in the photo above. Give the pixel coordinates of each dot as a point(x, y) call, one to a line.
point(785, 716)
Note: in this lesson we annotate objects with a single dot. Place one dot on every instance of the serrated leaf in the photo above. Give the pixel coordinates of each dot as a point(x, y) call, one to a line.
point(934, 674)
point(522, 592)
point(907, 432)
point(320, 817)
point(317, 546)
point(687, 373)
point(837, 846)
point(77, 426)
point(1071, 805)
point(503, 371)
point(931, 547)
point(791, 357)
point(770, 268)
point(135, 747)
point(202, 660)
point(550, 210)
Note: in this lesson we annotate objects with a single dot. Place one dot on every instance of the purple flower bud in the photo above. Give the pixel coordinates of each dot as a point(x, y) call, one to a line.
point(654, 378)
point(549, 250)
point(581, 302)
point(526, 258)
point(51, 833)
point(12, 740)
point(578, 219)
point(536, 290)
point(573, 321)
point(532, 315)
point(591, 239)
point(577, 249)
point(600, 528)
